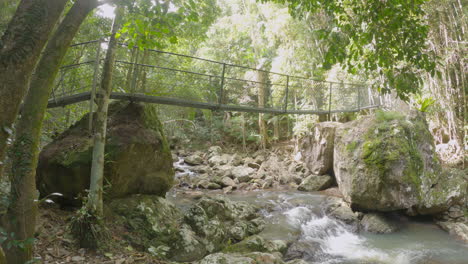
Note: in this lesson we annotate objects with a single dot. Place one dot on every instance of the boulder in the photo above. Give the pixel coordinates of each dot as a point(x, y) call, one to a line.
point(317, 147)
point(138, 159)
point(243, 174)
point(377, 223)
point(315, 183)
point(456, 229)
point(236, 258)
point(193, 160)
point(206, 227)
point(257, 244)
point(387, 162)
point(217, 160)
point(226, 181)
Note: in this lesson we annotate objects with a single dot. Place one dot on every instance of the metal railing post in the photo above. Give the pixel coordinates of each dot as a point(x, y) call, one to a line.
point(358, 98)
point(286, 96)
point(97, 60)
point(221, 88)
point(329, 103)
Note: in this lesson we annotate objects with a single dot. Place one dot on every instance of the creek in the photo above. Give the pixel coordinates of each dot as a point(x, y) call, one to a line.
point(301, 218)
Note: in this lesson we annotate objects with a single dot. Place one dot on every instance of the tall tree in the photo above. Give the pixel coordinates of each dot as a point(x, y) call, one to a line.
point(20, 49)
point(21, 213)
point(95, 204)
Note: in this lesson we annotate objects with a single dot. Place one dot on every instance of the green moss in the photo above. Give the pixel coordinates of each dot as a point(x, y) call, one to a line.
point(390, 141)
point(351, 147)
point(252, 244)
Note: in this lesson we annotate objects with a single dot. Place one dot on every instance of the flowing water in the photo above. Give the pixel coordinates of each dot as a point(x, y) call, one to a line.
point(300, 217)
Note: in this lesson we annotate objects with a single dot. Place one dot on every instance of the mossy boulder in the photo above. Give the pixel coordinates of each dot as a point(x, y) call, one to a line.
point(387, 162)
point(137, 156)
point(156, 225)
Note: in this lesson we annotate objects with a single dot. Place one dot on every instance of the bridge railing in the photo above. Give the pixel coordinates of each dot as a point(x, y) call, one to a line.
point(165, 77)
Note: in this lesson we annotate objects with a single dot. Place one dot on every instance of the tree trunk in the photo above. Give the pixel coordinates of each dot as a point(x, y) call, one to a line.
point(243, 132)
point(2, 256)
point(262, 86)
point(20, 48)
point(22, 209)
point(95, 203)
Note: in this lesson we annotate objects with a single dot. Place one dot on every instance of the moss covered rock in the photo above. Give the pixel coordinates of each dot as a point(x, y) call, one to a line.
point(387, 162)
point(137, 156)
point(157, 226)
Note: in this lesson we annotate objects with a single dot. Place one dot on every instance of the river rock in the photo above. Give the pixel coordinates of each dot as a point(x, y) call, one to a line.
point(217, 160)
point(337, 208)
point(226, 181)
point(193, 160)
point(377, 223)
point(387, 162)
point(456, 229)
point(236, 258)
point(258, 244)
point(315, 183)
point(205, 228)
point(138, 159)
point(317, 147)
point(243, 174)
point(302, 250)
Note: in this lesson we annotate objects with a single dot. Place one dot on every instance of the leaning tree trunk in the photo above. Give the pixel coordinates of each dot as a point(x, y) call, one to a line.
point(20, 48)
point(95, 204)
point(22, 209)
point(262, 90)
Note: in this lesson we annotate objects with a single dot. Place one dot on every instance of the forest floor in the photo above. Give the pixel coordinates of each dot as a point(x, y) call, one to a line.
point(55, 243)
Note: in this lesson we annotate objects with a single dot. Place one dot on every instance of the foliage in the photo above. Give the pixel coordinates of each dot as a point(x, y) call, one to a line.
point(423, 103)
point(150, 24)
point(88, 228)
point(387, 37)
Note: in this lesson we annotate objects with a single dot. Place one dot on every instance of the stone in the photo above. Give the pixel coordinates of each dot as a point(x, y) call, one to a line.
point(302, 250)
point(456, 229)
point(257, 244)
point(205, 227)
point(193, 160)
point(214, 150)
point(217, 160)
point(317, 147)
point(340, 210)
point(227, 190)
point(377, 223)
point(253, 165)
point(243, 174)
point(387, 162)
point(315, 183)
point(226, 181)
point(213, 186)
point(138, 158)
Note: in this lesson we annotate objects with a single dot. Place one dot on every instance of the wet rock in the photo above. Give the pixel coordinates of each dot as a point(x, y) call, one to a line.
point(315, 183)
point(253, 165)
point(138, 158)
point(340, 210)
point(302, 250)
point(235, 258)
point(387, 162)
point(377, 223)
point(257, 244)
point(243, 174)
point(317, 147)
point(456, 229)
point(227, 190)
point(297, 261)
point(205, 228)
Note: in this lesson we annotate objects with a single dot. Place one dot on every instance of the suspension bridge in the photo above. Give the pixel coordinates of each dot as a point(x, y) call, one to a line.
point(161, 77)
